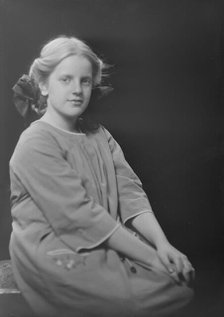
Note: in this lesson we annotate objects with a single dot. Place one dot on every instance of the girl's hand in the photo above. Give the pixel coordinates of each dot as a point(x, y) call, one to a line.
point(176, 263)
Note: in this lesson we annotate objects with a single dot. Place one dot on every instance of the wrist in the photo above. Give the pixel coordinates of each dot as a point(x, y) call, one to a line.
point(161, 242)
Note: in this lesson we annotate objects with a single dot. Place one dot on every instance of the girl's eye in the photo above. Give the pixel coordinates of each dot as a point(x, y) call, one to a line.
point(87, 81)
point(66, 80)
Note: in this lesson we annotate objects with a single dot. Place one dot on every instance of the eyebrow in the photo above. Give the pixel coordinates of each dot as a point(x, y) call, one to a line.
point(71, 76)
point(66, 75)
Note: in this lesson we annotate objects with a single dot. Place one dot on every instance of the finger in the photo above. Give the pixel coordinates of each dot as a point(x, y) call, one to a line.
point(184, 268)
point(176, 277)
point(165, 261)
point(178, 262)
point(170, 268)
point(192, 272)
point(188, 271)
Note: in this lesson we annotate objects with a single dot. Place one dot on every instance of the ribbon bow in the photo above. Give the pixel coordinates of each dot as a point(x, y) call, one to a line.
point(26, 96)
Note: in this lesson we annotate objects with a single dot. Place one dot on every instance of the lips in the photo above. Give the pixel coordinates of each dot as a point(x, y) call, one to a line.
point(76, 101)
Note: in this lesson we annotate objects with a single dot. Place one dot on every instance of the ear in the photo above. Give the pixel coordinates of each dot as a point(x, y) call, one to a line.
point(43, 89)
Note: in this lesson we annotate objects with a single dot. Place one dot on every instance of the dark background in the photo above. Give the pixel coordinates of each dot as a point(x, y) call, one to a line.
point(166, 110)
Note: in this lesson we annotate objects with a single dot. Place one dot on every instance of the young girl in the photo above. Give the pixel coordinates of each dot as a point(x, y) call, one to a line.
point(85, 241)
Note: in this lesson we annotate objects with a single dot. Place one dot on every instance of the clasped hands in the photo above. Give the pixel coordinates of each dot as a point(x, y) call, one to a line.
point(175, 263)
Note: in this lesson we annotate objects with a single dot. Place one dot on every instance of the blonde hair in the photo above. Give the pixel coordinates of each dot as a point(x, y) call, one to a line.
point(58, 49)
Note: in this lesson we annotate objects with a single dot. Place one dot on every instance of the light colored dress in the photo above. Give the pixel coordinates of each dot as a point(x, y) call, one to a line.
point(69, 193)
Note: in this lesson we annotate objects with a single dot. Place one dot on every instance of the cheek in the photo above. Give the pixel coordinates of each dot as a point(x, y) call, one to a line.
point(89, 93)
point(56, 92)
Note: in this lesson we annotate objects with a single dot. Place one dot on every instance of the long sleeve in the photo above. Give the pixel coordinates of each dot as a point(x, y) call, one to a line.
point(59, 193)
point(133, 200)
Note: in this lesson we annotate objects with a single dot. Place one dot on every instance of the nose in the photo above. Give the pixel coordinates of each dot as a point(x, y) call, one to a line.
point(77, 88)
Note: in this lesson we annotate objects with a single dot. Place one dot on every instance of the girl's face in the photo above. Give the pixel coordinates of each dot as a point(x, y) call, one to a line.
point(69, 88)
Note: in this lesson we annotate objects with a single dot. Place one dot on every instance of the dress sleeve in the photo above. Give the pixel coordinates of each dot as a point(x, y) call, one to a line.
point(59, 194)
point(133, 200)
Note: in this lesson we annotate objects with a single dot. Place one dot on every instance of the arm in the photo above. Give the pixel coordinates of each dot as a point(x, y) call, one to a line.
point(135, 208)
point(133, 201)
point(148, 226)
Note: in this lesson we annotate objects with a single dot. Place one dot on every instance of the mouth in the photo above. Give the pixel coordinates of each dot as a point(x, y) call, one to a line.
point(76, 102)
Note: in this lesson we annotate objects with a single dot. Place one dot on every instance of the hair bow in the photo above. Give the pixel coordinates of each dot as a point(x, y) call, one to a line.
point(26, 96)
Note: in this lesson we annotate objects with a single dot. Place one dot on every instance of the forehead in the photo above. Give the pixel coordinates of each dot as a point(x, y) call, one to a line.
point(74, 65)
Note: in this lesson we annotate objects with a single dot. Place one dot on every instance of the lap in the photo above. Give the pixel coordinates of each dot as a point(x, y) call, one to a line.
point(98, 283)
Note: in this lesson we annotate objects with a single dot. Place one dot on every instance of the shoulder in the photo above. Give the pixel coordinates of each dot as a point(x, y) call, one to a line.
point(35, 131)
point(108, 137)
point(39, 131)
point(104, 132)
point(36, 138)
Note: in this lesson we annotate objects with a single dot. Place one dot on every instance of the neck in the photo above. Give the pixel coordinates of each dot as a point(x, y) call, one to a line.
point(62, 123)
